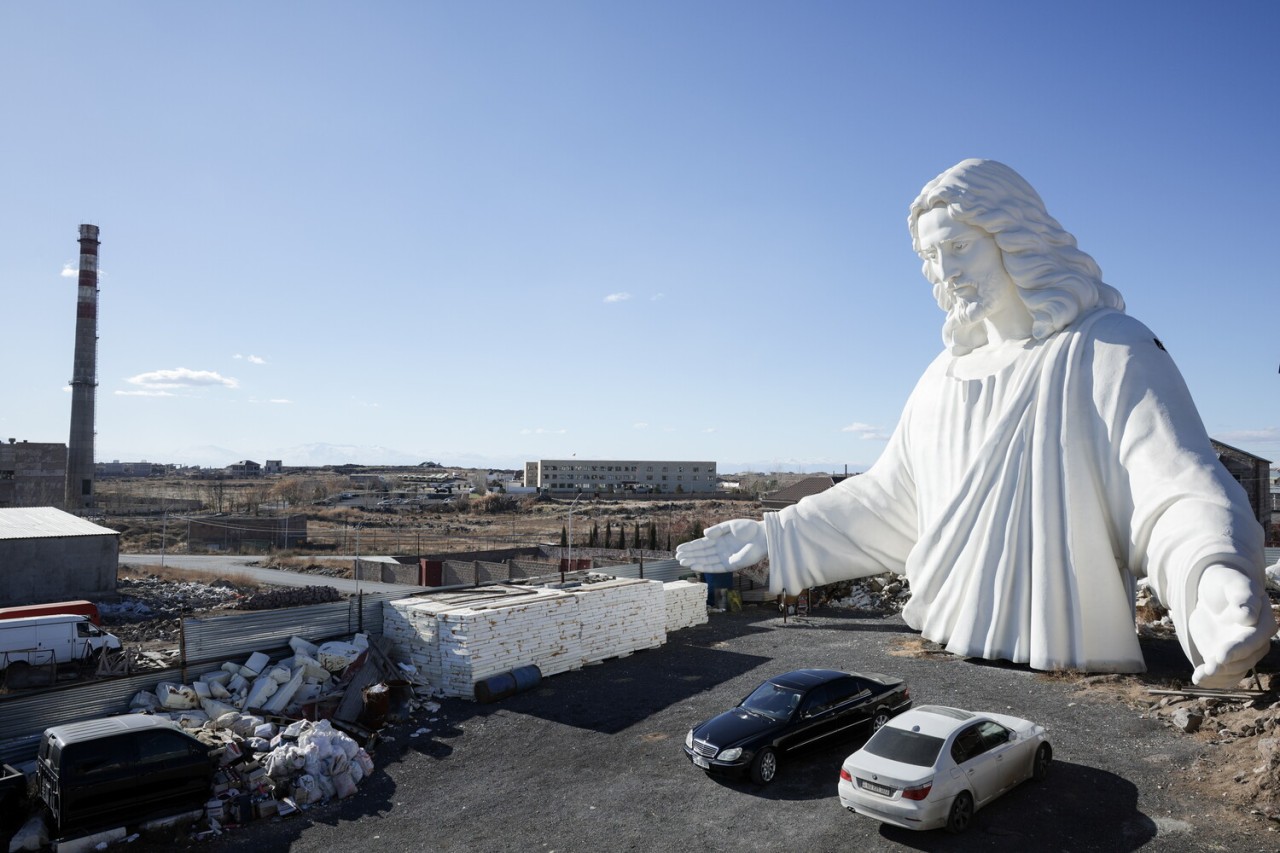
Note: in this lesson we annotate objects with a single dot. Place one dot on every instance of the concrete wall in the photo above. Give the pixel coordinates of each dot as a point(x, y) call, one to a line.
point(32, 474)
point(57, 568)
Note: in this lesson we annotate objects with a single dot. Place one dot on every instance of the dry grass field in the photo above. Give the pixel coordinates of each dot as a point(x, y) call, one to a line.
point(154, 514)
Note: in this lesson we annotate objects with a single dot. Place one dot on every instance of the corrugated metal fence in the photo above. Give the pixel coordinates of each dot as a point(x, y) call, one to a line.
point(231, 635)
point(24, 717)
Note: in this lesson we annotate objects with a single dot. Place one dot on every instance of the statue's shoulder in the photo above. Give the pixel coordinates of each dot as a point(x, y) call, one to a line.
point(1109, 326)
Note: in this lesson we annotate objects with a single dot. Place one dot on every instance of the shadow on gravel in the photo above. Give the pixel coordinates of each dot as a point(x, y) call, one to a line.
point(1076, 808)
point(623, 692)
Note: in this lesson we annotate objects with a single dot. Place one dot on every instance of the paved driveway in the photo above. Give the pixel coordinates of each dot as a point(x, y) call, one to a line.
point(591, 761)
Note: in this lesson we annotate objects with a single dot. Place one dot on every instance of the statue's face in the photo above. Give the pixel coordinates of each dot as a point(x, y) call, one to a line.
point(966, 266)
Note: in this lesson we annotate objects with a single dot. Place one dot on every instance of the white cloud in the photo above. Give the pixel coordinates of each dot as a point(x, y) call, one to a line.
point(282, 401)
point(709, 429)
point(70, 271)
point(143, 394)
point(542, 431)
point(865, 431)
point(618, 297)
point(252, 359)
point(640, 425)
point(181, 377)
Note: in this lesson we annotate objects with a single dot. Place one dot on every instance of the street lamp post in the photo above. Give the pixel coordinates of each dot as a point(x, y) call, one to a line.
point(569, 559)
point(356, 571)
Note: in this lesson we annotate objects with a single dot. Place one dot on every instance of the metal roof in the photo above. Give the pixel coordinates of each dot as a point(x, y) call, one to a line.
point(45, 522)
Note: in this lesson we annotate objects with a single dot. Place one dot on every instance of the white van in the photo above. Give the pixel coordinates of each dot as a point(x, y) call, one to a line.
point(36, 640)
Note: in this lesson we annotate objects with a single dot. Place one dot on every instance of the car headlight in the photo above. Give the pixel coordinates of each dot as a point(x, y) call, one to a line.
point(731, 754)
point(688, 739)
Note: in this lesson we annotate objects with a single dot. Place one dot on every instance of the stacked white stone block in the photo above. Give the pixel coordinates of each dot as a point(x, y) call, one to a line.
point(478, 642)
point(458, 638)
point(410, 624)
point(686, 604)
point(620, 616)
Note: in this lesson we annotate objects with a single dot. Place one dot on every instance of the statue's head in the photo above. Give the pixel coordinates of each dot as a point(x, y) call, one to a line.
point(1055, 280)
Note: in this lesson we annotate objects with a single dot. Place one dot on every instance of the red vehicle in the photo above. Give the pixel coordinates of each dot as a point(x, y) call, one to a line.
point(54, 608)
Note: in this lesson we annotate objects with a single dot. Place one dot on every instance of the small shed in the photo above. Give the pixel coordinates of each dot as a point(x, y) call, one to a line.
point(50, 555)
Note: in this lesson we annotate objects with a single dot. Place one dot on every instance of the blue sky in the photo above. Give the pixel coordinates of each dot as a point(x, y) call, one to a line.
point(484, 232)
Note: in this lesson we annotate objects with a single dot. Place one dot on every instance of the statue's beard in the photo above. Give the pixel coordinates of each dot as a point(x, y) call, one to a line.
point(962, 330)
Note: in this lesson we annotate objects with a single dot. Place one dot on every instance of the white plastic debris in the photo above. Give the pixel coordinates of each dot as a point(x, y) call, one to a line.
point(256, 662)
point(335, 655)
point(145, 700)
point(32, 836)
point(177, 697)
point(284, 694)
point(264, 687)
point(303, 647)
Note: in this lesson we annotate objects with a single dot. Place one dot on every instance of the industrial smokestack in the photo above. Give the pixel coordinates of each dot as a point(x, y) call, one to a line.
point(84, 376)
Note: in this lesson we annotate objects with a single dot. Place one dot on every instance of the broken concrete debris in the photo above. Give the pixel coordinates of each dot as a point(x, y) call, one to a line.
point(270, 761)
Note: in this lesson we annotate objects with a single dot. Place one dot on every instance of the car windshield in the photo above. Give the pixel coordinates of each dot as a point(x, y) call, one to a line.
point(907, 747)
point(772, 700)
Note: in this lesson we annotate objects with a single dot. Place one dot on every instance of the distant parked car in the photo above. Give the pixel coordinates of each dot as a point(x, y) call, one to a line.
point(790, 711)
point(935, 766)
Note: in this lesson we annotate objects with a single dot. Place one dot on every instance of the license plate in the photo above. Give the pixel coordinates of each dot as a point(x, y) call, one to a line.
point(879, 789)
point(701, 762)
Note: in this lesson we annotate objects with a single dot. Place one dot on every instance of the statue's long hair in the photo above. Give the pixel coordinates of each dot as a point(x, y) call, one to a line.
point(1056, 280)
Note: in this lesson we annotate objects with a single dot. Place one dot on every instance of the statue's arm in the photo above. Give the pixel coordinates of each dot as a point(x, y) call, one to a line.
point(1187, 523)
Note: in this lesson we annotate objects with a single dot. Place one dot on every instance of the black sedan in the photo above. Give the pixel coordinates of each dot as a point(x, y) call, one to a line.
point(790, 711)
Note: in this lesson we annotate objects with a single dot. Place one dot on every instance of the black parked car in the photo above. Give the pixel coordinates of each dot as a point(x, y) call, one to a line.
point(790, 711)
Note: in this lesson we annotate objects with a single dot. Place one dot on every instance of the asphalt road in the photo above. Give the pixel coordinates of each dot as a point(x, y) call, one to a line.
point(235, 565)
point(591, 761)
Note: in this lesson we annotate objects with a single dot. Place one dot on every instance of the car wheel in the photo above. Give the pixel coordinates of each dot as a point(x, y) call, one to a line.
point(877, 722)
point(961, 814)
point(1044, 756)
point(765, 766)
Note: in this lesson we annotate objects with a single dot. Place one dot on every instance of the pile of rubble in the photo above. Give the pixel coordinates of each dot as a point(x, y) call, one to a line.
point(271, 762)
point(150, 608)
point(293, 597)
point(884, 594)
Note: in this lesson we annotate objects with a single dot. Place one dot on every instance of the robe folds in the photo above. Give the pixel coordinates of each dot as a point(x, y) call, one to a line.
point(1022, 506)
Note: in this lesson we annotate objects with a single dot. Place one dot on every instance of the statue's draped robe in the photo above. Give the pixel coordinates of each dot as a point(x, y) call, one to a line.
point(1023, 505)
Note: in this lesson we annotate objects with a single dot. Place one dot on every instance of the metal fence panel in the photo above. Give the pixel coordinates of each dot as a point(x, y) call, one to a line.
point(1273, 556)
point(232, 635)
point(656, 570)
point(24, 716)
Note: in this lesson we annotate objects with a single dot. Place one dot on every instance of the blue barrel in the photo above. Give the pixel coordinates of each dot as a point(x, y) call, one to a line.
point(495, 687)
point(527, 677)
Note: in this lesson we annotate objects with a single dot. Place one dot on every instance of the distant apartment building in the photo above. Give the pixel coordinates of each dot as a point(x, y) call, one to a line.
point(116, 468)
point(273, 466)
point(32, 474)
point(244, 468)
point(620, 476)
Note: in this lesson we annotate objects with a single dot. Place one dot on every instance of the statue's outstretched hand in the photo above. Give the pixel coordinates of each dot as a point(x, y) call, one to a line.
point(726, 547)
point(1231, 626)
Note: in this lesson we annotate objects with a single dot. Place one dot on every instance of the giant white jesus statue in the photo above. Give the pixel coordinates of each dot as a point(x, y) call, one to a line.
point(1048, 457)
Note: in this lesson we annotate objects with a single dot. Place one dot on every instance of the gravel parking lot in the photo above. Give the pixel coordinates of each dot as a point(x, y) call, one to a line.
point(591, 761)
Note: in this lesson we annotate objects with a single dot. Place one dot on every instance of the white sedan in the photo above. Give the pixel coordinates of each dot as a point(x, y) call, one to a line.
point(935, 766)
